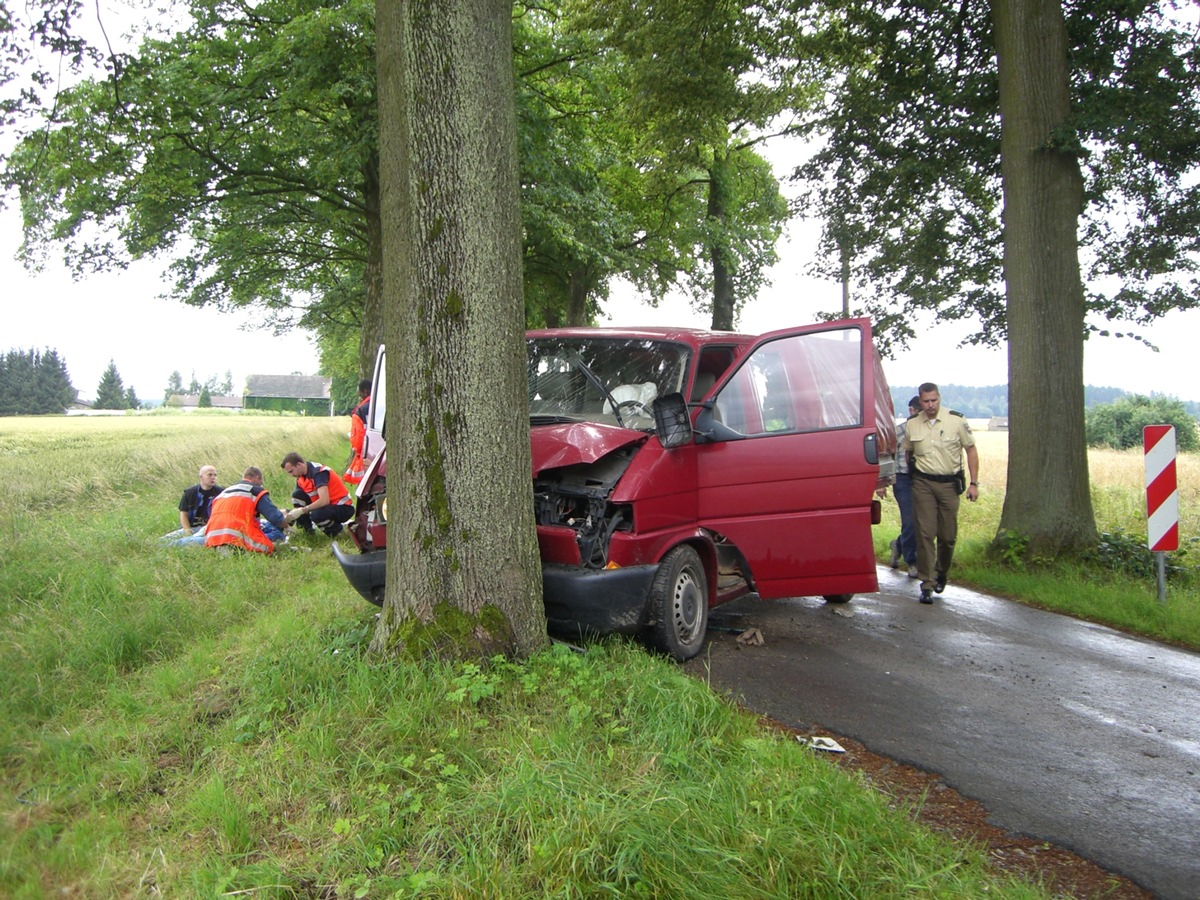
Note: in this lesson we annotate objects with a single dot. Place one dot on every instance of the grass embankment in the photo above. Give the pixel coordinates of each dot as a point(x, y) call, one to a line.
point(176, 723)
point(1106, 590)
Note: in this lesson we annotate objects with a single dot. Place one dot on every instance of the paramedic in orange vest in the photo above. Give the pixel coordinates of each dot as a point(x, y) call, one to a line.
point(320, 498)
point(234, 520)
point(357, 467)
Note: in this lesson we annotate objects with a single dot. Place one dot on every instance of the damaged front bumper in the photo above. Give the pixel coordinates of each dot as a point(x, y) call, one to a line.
point(579, 602)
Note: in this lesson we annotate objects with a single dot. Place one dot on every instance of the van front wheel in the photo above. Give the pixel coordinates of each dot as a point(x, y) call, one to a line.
point(838, 598)
point(679, 604)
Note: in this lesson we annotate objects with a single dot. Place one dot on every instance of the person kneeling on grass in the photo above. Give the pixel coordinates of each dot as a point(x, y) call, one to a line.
point(244, 517)
point(321, 498)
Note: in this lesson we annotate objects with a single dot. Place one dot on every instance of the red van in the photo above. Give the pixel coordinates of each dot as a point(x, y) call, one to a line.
point(676, 469)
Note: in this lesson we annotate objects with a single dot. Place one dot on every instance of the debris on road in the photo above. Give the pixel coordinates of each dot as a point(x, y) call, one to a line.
point(751, 637)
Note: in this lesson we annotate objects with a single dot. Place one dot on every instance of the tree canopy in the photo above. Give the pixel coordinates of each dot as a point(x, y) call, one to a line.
point(906, 171)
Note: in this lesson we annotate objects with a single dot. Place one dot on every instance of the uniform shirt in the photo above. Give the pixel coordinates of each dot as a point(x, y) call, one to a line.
point(937, 444)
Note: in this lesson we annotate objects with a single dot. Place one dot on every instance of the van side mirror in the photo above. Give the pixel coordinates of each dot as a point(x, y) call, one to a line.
point(672, 423)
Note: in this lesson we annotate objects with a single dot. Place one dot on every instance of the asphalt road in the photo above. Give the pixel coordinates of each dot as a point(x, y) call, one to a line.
point(1067, 732)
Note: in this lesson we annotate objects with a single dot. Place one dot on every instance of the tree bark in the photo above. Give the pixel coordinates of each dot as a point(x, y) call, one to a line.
point(461, 532)
point(1048, 500)
point(724, 300)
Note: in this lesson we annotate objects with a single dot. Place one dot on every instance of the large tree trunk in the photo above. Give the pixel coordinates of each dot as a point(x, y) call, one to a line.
point(724, 302)
point(1048, 499)
point(371, 333)
point(461, 535)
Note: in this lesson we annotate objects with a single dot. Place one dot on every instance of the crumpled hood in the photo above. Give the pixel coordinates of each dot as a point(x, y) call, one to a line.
point(555, 446)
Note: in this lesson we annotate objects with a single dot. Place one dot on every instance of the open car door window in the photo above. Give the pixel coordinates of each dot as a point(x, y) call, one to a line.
point(783, 470)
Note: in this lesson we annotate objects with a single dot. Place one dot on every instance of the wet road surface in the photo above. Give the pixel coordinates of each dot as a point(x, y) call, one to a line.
point(1066, 731)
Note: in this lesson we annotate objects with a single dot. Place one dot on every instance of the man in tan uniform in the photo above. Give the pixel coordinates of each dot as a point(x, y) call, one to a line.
point(936, 441)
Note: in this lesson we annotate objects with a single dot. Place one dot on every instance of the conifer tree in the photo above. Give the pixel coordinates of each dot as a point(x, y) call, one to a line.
point(205, 400)
point(110, 394)
point(131, 399)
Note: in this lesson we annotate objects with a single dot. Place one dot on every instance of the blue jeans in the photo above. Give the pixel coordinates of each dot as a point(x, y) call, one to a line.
point(902, 491)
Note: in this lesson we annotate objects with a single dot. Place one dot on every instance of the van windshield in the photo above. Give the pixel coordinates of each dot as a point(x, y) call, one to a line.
point(612, 380)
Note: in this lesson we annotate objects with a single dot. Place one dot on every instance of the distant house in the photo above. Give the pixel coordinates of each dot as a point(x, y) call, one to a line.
point(998, 423)
point(192, 401)
point(309, 395)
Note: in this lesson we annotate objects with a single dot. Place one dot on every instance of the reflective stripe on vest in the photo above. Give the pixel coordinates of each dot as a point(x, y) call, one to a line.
point(338, 495)
point(234, 519)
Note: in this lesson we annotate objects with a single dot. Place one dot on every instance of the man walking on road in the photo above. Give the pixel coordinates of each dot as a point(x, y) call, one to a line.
point(936, 442)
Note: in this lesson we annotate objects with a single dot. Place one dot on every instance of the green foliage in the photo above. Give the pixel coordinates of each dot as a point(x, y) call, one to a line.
point(907, 175)
point(34, 383)
point(1119, 425)
point(205, 399)
point(1129, 554)
point(110, 393)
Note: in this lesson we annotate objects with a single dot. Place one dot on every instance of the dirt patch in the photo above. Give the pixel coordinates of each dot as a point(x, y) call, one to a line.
point(943, 809)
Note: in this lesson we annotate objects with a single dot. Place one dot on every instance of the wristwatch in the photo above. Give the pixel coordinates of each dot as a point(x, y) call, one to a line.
point(975, 484)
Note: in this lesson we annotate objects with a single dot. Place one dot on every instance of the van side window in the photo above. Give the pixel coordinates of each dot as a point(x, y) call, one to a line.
point(802, 383)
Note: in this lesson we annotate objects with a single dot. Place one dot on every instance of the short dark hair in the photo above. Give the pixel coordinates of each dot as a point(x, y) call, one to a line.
point(292, 459)
point(364, 387)
point(915, 402)
point(927, 388)
point(252, 472)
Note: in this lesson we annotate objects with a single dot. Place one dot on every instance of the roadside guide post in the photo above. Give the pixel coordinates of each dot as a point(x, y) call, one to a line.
point(1162, 497)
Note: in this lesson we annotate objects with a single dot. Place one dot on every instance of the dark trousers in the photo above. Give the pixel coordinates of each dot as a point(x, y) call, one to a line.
point(902, 491)
point(935, 508)
point(327, 518)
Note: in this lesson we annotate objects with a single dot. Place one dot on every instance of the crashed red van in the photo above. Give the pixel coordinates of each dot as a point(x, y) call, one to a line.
point(676, 469)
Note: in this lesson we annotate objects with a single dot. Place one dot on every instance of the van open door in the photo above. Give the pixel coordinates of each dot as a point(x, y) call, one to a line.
point(789, 455)
point(377, 408)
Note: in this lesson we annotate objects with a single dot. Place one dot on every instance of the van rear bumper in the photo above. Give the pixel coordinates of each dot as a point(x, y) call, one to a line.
point(366, 572)
point(581, 602)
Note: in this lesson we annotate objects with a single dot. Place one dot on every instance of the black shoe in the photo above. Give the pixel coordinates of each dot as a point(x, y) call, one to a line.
point(926, 595)
point(332, 530)
point(940, 584)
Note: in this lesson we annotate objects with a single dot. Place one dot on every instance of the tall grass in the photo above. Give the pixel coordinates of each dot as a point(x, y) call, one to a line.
point(1093, 590)
point(181, 724)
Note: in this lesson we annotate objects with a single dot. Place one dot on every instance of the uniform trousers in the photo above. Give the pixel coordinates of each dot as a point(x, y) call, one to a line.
point(935, 508)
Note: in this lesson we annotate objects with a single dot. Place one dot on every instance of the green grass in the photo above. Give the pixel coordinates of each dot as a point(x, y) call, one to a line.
point(182, 724)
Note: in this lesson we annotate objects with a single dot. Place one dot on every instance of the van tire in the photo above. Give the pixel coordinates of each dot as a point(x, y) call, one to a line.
point(838, 598)
point(679, 604)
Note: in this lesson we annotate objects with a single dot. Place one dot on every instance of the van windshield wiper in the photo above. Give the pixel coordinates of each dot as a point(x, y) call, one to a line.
point(591, 376)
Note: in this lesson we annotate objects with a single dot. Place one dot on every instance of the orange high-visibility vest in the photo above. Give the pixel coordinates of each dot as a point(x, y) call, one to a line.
point(234, 519)
point(337, 488)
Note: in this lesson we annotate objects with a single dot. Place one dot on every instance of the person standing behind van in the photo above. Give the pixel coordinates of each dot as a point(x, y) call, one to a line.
point(357, 467)
point(937, 440)
point(904, 547)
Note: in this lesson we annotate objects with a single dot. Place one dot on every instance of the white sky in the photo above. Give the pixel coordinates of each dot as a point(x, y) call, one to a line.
point(120, 317)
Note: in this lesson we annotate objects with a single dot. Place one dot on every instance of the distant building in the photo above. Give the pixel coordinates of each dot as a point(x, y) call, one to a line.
point(309, 395)
point(192, 401)
point(998, 423)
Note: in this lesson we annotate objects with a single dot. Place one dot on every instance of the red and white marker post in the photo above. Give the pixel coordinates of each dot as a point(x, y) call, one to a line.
point(1162, 496)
